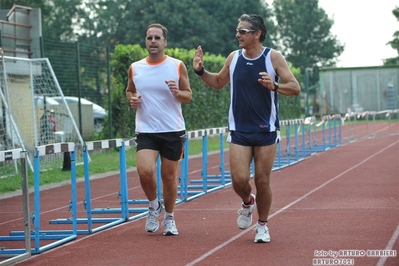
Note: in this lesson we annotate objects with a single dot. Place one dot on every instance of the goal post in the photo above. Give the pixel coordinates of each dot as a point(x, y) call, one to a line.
point(29, 115)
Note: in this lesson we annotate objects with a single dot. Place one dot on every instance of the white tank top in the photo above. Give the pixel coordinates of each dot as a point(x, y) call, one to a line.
point(159, 110)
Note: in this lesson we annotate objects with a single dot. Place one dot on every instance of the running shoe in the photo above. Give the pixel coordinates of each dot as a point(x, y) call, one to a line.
point(262, 233)
point(244, 219)
point(152, 223)
point(170, 227)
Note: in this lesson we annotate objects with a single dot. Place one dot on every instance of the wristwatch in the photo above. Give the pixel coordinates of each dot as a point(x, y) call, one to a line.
point(275, 86)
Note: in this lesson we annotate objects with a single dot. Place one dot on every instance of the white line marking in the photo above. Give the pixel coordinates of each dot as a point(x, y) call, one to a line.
point(389, 246)
point(207, 254)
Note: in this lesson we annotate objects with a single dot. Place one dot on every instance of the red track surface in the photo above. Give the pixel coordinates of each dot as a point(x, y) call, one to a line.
point(343, 199)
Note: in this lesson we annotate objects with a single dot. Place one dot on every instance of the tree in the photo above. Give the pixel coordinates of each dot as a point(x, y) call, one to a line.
point(191, 23)
point(304, 34)
point(305, 39)
point(394, 43)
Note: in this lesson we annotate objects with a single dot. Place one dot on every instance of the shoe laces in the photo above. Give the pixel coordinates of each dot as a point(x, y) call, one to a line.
point(258, 228)
point(168, 223)
point(244, 211)
point(152, 215)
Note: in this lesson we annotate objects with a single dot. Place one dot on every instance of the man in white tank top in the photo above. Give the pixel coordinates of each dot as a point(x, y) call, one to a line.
point(253, 72)
point(156, 87)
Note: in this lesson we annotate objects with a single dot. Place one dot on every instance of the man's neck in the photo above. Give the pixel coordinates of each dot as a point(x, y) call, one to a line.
point(254, 51)
point(156, 58)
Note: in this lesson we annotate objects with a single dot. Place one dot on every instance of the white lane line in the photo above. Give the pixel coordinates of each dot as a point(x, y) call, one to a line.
point(210, 252)
point(395, 236)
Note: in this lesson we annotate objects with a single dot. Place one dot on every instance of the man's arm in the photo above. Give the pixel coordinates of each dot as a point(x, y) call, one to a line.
point(181, 91)
point(290, 87)
point(131, 93)
point(215, 80)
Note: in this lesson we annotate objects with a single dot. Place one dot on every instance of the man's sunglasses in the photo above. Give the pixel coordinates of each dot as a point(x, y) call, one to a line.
point(244, 31)
point(157, 38)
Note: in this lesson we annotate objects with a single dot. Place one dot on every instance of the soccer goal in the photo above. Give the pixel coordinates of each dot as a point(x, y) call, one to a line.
point(29, 115)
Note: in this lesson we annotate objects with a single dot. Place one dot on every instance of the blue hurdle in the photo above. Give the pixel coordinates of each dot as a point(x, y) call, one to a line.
point(207, 183)
point(290, 156)
point(18, 254)
point(61, 236)
point(122, 194)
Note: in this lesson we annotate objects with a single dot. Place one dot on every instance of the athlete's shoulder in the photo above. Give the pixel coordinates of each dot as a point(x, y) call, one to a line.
point(141, 61)
point(232, 55)
point(170, 58)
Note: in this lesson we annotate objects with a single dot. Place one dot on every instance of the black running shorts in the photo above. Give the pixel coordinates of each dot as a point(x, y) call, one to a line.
point(169, 144)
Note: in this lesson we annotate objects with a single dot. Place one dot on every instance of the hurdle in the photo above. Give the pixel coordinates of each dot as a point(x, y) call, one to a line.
point(332, 135)
point(291, 155)
point(90, 220)
point(18, 254)
point(60, 236)
point(388, 114)
point(207, 183)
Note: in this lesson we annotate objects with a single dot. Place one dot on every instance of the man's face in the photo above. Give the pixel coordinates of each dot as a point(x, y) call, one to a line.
point(155, 41)
point(245, 35)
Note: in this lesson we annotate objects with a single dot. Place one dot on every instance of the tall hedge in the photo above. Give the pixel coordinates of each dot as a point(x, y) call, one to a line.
point(208, 108)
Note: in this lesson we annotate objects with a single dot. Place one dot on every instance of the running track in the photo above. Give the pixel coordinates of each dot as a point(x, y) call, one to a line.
point(345, 199)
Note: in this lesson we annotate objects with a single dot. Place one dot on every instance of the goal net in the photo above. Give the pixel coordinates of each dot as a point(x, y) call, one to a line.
point(29, 115)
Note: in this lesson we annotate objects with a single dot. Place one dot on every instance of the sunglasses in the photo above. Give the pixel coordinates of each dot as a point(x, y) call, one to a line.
point(244, 31)
point(157, 38)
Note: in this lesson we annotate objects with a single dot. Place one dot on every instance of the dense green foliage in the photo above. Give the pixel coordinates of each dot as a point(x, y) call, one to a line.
point(191, 23)
point(208, 23)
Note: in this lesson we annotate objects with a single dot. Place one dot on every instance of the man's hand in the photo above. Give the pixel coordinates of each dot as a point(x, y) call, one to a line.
point(135, 102)
point(173, 87)
point(197, 60)
point(266, 80)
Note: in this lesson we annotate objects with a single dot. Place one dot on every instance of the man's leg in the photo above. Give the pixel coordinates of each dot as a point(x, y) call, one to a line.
point(146, 168)
point(240, 161)
point(264, 159)
point(169, 184)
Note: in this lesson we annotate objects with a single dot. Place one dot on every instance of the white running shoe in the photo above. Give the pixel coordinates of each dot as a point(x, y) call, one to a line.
point(152, 223)
point(170, 227)
point(262, 234)
point(244, 219)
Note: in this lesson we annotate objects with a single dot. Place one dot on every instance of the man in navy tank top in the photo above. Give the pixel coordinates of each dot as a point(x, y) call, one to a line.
point(253, 72)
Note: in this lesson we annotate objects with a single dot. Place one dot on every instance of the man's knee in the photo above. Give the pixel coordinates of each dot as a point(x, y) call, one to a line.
point(240, 183)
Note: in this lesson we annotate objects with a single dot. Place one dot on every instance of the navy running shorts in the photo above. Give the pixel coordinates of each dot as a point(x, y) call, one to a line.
point(254, 138)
